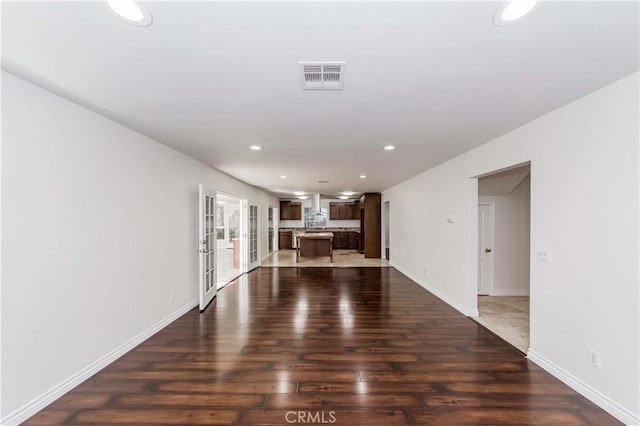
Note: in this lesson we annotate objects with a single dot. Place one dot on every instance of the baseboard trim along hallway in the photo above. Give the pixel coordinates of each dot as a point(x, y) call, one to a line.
point(469, 312)
point(37, 404)
point(602, 401)
point(363, 346)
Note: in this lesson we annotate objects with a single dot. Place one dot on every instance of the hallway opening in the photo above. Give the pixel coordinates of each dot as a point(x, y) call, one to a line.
point(504, 204)
point(229, 242)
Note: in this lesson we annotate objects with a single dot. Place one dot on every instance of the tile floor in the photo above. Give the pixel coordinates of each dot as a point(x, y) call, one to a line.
point(341, 259)
point(506, 316)
point(226, 271)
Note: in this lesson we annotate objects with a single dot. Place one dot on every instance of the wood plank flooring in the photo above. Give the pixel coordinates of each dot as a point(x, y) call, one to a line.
point(344, 346)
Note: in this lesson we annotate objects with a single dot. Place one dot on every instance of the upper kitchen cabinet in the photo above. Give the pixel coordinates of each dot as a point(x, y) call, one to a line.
point(344, 211)
point(290, 210)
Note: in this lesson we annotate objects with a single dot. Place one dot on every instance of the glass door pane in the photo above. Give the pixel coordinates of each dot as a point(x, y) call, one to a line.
point(253, 234)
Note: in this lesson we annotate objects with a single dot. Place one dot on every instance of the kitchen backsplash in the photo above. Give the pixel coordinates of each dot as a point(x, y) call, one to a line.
point(330, 224)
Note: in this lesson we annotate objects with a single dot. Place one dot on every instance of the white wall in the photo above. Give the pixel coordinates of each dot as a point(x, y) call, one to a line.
point(511, 240)
point(324, 204)
point(584, 209)
point(99, 225)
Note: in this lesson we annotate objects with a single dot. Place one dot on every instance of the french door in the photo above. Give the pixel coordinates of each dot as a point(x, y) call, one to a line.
point(207, 246)
point(253, 237)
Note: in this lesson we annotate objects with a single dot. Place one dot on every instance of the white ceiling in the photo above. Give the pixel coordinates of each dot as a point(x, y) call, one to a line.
point(211, 78)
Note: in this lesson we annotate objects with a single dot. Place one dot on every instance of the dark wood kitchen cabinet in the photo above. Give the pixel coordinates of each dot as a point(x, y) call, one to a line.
point(354, 240)
point(344, 211)
point(345, 240)
point(290, 210)
point(340, 240)
point(334, 212)
point(285, 240)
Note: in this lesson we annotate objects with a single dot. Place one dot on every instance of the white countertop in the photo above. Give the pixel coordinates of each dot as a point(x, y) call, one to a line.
point(313, 234)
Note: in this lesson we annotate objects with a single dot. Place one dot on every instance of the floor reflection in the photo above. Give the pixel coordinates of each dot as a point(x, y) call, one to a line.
point(365, 343)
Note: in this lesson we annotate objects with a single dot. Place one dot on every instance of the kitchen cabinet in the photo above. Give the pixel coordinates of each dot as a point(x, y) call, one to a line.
point(340, 240)
point(314, 245)
point(343, 240)
point(354, 240)
point(334, 211)
point(290, 210)
point(355, 211)
point(285, 240)
point(344, 211)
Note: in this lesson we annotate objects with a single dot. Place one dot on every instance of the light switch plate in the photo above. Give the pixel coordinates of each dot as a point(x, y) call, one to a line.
point(543, 255)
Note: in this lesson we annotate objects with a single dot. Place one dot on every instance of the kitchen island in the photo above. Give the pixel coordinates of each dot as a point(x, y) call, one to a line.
point(314, 244)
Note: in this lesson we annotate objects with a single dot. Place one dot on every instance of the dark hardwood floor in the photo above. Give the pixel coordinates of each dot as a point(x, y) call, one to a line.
point(344, 346)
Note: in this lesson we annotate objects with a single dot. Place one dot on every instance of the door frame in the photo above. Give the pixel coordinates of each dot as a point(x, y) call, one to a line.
point(386, 230)
point(244, 232)
point(274, 223)
point(488, 288)
point(241, 231)
point(206, 255)
point(252, 266)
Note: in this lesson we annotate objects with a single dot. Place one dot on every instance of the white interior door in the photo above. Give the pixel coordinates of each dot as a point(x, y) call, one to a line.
point(485, 249)
point(253, 237)
point(207, 246)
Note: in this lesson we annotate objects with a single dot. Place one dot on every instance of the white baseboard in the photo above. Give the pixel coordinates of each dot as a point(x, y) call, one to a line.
point(511, 292)
point(469, 312)
point(37, 404)
point(601, 400)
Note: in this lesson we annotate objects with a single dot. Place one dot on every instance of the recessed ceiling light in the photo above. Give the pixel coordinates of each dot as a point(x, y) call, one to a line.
point(298, 193)
point(130, 12)
point(283, 177)
point(389, 148)
point(343, 197)
point(303, 197)
point(347, 193)
point(255, 147)
point(513, 11)
point(363, 176)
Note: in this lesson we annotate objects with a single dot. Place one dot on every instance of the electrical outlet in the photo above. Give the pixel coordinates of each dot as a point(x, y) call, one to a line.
point(543, 255)
point(594, 358)
point(172, 297)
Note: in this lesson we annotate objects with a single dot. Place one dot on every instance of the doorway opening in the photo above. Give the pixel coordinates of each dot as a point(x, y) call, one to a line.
point(229, 241)
point(273, 229)
point(504, 210)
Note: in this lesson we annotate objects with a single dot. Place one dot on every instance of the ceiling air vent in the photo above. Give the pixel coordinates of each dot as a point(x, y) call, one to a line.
point(322, 75)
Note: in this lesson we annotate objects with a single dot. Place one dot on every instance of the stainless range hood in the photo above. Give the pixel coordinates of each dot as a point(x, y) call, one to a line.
point(315, 217)
point(315, 202)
